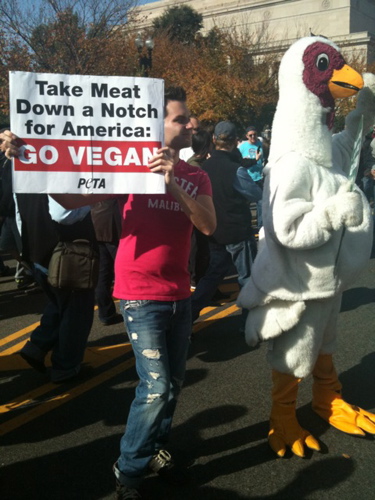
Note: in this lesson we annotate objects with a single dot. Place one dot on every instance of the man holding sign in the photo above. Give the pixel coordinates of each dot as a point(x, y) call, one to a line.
point(153, 284)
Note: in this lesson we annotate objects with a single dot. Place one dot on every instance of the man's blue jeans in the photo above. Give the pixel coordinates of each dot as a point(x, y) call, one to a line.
point(221, 257)
point(159, 333)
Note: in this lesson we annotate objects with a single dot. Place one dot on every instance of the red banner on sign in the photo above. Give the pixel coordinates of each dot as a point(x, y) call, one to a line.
point(41, 155)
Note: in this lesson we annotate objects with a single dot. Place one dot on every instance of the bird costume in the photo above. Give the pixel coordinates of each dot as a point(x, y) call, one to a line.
point(317, 237)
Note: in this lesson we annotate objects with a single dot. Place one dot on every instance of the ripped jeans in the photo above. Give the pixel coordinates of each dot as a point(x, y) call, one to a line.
point(159, 333)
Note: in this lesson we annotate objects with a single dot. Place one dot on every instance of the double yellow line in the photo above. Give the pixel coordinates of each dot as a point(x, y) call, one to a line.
point(49, 396)
point(14, 336)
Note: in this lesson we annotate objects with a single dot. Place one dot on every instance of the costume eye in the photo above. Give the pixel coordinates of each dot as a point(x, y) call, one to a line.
point(322, 62)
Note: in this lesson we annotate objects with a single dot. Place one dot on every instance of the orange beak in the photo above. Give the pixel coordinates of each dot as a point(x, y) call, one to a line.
point(345, 82)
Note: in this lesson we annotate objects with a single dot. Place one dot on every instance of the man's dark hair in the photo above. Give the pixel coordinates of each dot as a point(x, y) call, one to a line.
point(225, 142)
point(251, 128)
point(201, 143)
point(173, 94)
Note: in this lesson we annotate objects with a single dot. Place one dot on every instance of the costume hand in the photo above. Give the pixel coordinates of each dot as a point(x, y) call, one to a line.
point(163, 162)
point(344, 209)
point(369, 82)
point(366, 100)
point(9, 144)
point(352, 211)
point(365, 106)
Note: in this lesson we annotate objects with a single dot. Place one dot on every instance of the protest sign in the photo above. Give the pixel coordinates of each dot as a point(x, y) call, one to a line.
point(86, 134)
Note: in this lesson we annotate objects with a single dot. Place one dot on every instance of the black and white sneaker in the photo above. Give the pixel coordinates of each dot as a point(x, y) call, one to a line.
point(163, 464)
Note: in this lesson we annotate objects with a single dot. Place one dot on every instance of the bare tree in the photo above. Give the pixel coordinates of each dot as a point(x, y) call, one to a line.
point(66, 35)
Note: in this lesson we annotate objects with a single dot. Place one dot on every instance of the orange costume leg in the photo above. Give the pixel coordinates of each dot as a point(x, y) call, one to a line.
point(285, 430)
point(328, 403)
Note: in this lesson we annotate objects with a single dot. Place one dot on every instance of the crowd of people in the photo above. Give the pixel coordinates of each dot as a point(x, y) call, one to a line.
point(149, 260)
point(154, 290)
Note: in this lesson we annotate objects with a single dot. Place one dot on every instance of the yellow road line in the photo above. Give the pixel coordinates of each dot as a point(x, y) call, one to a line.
point(226, 312)
point(16, 335)
point(12, 361)
point(11, 350)
point(93, 356)
point(20, 333)
point(96, 357)
point(56, 401)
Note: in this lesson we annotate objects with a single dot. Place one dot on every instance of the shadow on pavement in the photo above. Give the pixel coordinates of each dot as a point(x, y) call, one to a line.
point(356, 297)
point(317, 477)
point(212, 345)
point(111, 406)
point(359, 381)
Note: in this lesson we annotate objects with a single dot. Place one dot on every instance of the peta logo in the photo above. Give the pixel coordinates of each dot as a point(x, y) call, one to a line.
point(92, 183)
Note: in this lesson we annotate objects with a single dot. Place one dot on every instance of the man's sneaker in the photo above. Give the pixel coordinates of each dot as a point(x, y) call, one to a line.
point(163, 464)
point(23, 282)
point(125, 493)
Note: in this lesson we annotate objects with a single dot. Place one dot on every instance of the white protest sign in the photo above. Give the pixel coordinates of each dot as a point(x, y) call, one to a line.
point(86, 134)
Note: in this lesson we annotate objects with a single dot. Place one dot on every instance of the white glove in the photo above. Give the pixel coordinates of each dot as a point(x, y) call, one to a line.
point(344, 209)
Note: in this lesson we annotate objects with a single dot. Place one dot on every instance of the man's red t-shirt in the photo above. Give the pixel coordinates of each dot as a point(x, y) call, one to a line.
point(153, 253)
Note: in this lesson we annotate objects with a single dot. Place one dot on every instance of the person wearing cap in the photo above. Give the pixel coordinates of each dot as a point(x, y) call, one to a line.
point(253, 156)
point(233, 189)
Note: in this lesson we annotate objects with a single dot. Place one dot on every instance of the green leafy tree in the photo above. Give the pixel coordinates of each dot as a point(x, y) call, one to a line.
point(224, 79)
point(180, 23)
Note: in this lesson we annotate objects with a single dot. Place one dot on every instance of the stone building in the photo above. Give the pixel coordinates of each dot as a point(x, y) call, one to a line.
point(275, 24)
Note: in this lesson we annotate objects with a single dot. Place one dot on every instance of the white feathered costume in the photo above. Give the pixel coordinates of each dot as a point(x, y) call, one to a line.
point(317, 237)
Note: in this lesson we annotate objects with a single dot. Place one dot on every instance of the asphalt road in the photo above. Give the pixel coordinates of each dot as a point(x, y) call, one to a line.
point(59, 442)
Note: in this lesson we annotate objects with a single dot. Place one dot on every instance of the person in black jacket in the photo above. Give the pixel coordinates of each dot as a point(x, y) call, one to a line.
point(4, 270)
point(10, 238)
point(68, 315)
point(233, 190)
point(106, 218)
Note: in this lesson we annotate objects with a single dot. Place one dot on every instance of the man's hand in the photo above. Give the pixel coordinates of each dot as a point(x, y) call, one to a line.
point(200, 211)
point(9, 144)
point(163, 162)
